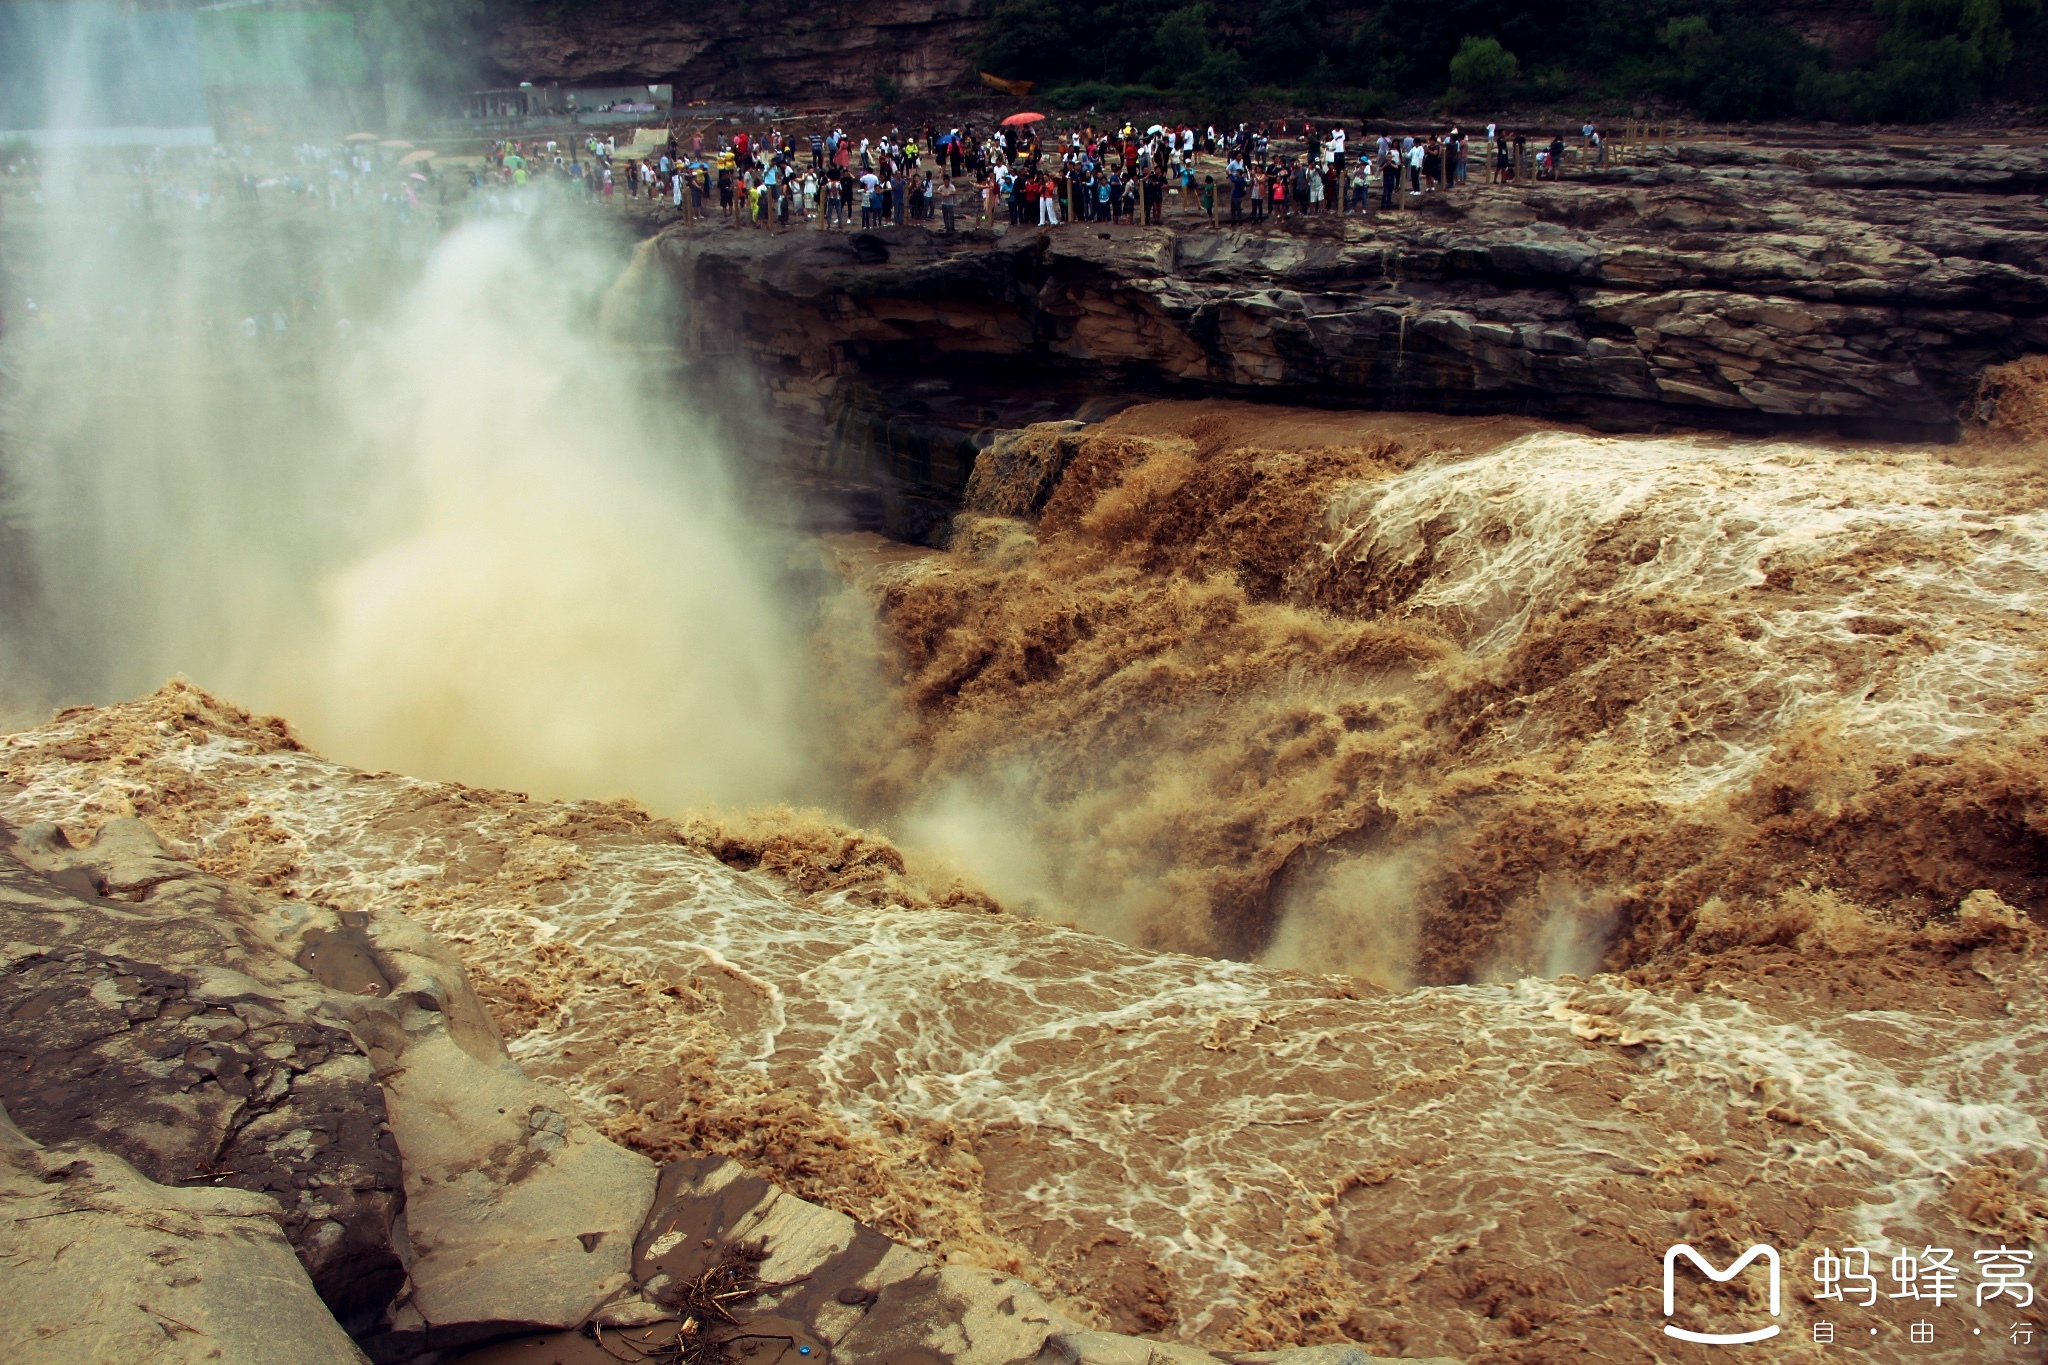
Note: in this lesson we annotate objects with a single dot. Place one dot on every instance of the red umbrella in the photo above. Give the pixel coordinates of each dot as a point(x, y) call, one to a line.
point(1015, 120)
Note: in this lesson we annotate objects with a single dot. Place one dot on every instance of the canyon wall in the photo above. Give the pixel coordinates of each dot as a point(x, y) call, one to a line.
point(1860, 293)
point(777, 50)
point(774, 51)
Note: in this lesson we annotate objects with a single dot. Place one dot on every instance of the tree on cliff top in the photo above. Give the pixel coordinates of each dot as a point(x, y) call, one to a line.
point(1050, 40)
point(1128, 42)
point(1939, 57)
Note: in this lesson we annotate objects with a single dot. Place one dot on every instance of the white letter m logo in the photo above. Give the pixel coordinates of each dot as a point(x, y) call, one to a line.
point(1769, 1254)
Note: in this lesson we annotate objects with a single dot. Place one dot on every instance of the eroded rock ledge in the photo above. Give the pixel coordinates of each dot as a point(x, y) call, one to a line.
point(253, 1129)
point(1721, 287)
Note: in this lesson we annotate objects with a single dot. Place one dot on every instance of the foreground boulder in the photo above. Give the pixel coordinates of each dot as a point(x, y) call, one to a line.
point(102, 1264)
point(337, 1062)
point(148, 1011)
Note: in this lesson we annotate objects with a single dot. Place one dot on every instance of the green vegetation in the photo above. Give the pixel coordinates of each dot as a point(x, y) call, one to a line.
point(1724, 59)
point(1093, 54)
point(1483, 69)
point(1939, 56)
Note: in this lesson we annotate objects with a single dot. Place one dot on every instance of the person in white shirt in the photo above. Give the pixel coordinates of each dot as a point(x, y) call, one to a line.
point(869, 184)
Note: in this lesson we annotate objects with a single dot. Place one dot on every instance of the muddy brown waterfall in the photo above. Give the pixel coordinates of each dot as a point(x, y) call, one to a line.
point(588, 776)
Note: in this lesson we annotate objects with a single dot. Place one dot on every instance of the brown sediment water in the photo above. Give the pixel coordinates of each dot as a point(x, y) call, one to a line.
point(1431, 719)
point(1206, 1150)
point(1637, 840)
point(1432, 702)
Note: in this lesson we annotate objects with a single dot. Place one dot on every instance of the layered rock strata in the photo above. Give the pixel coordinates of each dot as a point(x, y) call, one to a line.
point(828, 51)
point(779, 52)
point(1714, 286)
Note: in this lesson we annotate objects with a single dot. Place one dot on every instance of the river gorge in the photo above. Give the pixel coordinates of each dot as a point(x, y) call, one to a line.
point(1091, 795)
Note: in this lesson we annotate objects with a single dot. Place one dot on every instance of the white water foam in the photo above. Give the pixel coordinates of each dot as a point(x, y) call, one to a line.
point(1914, 624)
point(1203, 1110)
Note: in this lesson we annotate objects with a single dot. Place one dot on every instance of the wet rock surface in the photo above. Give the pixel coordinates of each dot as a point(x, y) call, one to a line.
point(190, 1093)
point(124, 1023)
point(333, 1061)
point(1711, 286)
point(99, 1263)
point(831, 1288)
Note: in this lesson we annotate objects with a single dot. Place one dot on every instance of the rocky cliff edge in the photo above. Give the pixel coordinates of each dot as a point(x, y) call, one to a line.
point(1747, 289)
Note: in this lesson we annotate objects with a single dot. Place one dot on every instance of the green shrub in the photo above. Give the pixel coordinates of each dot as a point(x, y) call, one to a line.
point(1098, 95)
point(1367, 103)
point(1939, 57)
point(1724, 58)
point(1484, 68)
point(1288, 41)
point(1069, 41)
point(1746, 71)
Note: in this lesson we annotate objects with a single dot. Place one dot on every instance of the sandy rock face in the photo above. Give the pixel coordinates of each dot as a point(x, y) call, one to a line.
point(714, 53)
point(141, 1013)
point(99, 1262)
point(337, 1061)
point(519, 1212)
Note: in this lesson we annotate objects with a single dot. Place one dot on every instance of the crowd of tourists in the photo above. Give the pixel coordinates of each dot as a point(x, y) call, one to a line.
point(1023, 175)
